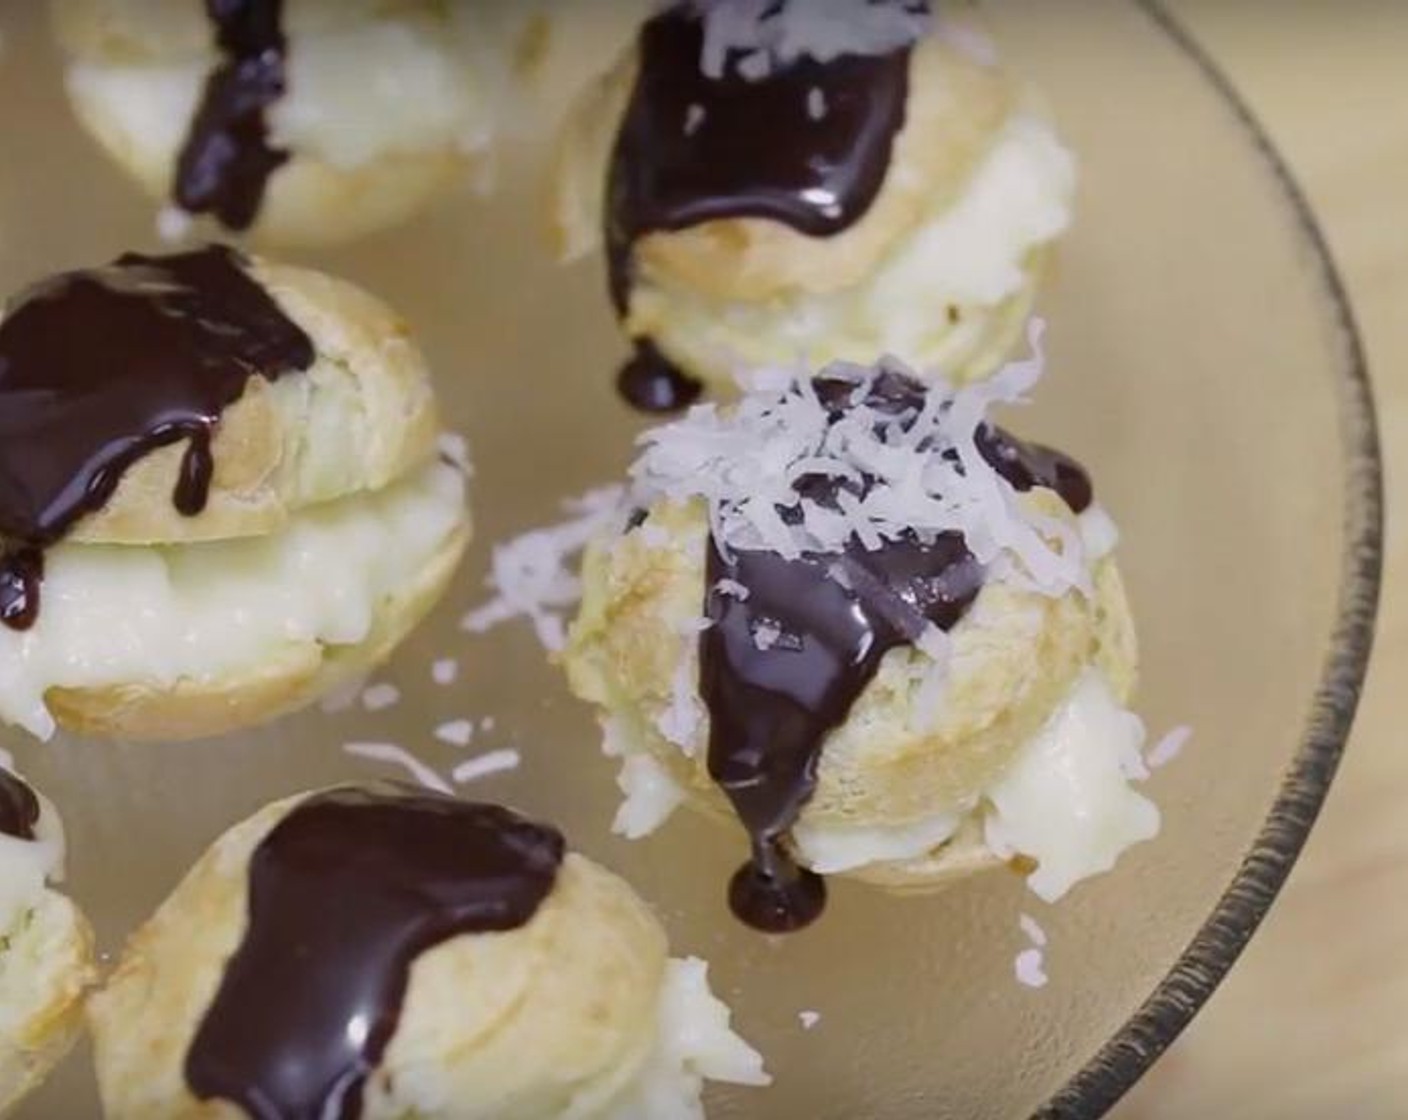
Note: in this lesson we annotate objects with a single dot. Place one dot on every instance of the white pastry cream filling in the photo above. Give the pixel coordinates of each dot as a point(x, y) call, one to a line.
point(26, 866)
point(156, 615)
point(1066, 802)
point(694, 1044)
point(971, 256)
point(355, 94)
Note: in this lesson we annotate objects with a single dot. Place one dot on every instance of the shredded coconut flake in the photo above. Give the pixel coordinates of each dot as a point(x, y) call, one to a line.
point(533, 576)
point(487, 724)
point(173, 224)
point(456, 732)
point(394, 755)
point(1033, 931)
point(694, 119)
point(761, 35)
point(816, 103)
point(455, 448)
point(481, 766)
point(1030, 967)
point(924, 470)
point(808, 1019)
point(445, 671)
point(1168, 748)
point(379, 697)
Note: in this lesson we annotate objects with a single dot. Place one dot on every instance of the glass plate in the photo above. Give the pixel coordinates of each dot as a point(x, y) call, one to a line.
point(1203, 364)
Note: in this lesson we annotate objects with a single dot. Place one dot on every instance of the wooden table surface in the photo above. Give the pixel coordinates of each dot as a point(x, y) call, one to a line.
point(1314, 1019)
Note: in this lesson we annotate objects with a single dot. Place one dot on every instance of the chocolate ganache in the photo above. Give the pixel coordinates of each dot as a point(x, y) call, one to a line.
point(103, 366)
point(694, 148)
point(831, 619)
point(344, 894)
point(224, 166)
point(19, 807)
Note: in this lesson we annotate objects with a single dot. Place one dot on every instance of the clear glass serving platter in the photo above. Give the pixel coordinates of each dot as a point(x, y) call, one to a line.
point(1203, 365)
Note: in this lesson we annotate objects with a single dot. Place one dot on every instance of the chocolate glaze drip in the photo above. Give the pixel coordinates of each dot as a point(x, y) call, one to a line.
point(19, 807)
point(225, 163)
point(344, 894)
point(834, 617)
point(653, 383)
point(101, 367)
point(695, 149)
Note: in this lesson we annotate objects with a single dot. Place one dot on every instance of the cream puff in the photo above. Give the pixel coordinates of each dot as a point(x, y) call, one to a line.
point(203, 458)
point(304, 121)
point(886, 636)
point(385, 952)
point(811, 182)
point(46, 946)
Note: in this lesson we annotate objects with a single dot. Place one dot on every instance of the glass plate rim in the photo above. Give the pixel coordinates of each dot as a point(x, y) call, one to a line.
point(1208, 957)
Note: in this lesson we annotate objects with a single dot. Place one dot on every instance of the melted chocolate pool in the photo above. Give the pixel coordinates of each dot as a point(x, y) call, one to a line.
point(103, 366)
point(225, 163)
point(696, 149)
point(344, 894)
point(19, 808)
point(831, 620)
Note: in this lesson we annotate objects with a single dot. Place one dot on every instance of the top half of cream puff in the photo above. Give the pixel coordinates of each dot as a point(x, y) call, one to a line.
point(834, 181)
point(387, 953)
point(308, 121)
point(203, 457)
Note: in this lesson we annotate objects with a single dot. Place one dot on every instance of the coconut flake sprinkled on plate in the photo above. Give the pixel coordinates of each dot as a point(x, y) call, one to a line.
point(379, 697)
point(1168, 748)
point(761, 35)
point(481, 766)
point(455, 448)
point(395, 755)
point(925, 474)
point(1030, 968)
point(456, 732)
point(445, 671)
point(808, 1019)
point(533, 575)
point(1032, 929)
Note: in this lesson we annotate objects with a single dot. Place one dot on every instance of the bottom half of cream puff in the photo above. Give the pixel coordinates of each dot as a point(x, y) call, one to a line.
point(407, 955)
point(1010, 745)
point(188, 640)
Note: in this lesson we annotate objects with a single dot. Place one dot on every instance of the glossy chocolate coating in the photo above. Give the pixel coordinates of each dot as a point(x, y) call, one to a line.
point(224, 166)
point(344, 894)
point(101, 367)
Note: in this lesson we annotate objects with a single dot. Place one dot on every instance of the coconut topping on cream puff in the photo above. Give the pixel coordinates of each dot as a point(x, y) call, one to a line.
point(201, 456)
point(880, 571)
point(385, 952)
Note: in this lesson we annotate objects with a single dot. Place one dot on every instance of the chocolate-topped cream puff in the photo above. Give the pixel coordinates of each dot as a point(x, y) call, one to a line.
point(384, 952)
point(304, 121)
point(797, 181)
point(884, 634)
point(46, 947)
point(203, 458)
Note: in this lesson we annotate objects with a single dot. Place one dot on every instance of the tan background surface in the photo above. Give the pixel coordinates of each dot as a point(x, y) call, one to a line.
point(1312, 1021)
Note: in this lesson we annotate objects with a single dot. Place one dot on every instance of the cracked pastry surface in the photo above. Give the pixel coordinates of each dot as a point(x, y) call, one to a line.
point(543, 988)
